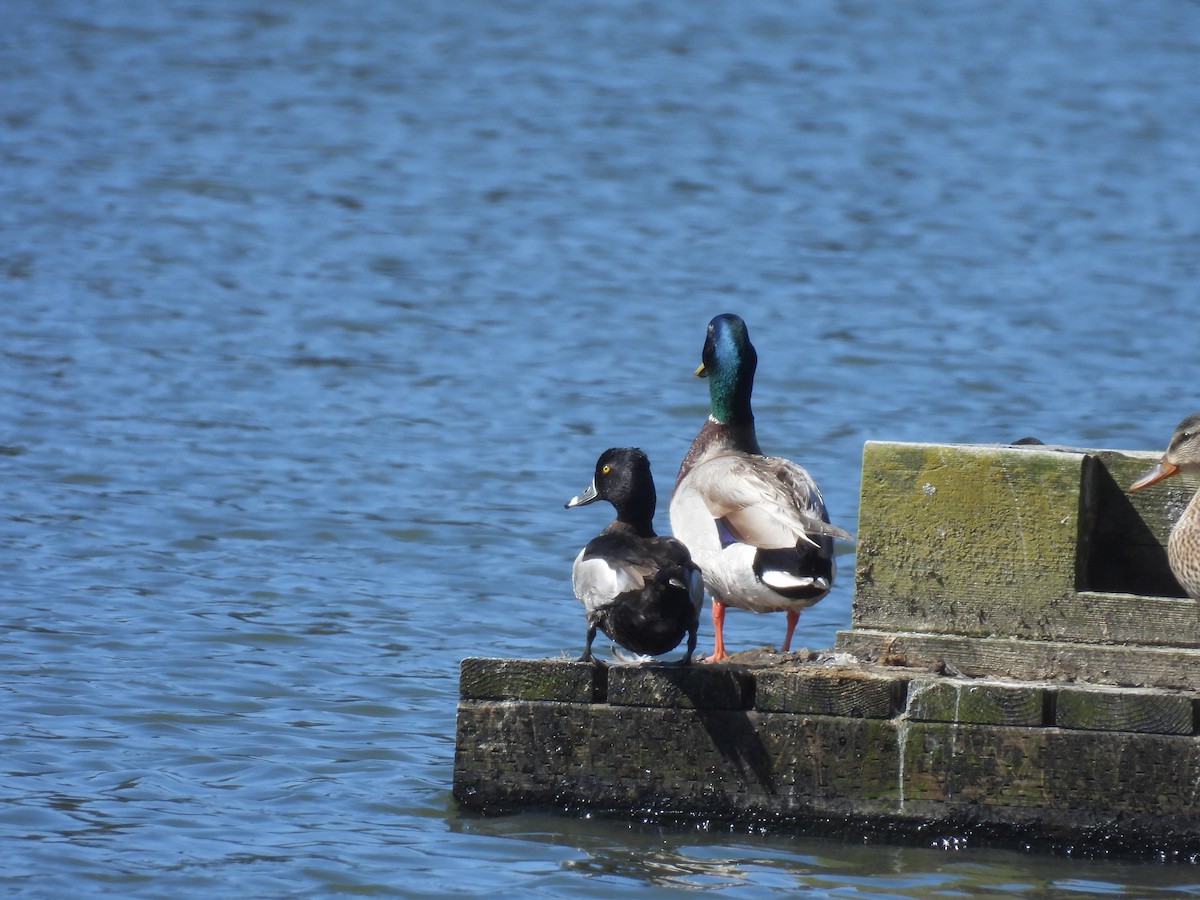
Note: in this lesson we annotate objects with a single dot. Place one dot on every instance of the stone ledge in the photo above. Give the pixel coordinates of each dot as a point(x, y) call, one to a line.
point(680, 687)
point(1128, 710)
point(565, 681)
point(831, 692)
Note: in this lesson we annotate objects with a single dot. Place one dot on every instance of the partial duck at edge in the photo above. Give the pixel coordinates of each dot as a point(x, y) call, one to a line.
point(1183, 545)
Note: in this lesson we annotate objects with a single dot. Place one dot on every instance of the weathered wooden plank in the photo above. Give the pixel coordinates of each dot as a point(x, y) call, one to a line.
point(564, 680)
point(1098, 776)
point(976, 703)
point(1160, 667)
point(829, 691)
point(1165, 621)
point(1086, 617)
point(780, 768)
point(690, 687)
point(1124, 709)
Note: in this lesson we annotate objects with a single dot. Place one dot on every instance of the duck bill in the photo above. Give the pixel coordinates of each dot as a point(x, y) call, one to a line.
point(1163, 470)
point(701, 372)
point(588, 496)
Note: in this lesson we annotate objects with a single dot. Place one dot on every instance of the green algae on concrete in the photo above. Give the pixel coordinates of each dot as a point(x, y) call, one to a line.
point(965, 540)
point(1023, 543)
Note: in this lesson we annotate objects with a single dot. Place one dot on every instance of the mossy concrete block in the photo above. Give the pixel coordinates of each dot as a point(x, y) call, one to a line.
point(718, 764)
point(1032, 543)
point(977, 703)
point(563, 680)
point(1057, 776)
point(777, 769)
point(829, 691)
point(965, 539)
point(1115, 709)
point(681, 687)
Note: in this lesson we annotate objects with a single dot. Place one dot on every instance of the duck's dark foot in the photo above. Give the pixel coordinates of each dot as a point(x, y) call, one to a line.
point(587, 647)
point(691, 644)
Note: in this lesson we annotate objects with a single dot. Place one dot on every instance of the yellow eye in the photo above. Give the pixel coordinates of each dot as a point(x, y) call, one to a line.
point(606, 469)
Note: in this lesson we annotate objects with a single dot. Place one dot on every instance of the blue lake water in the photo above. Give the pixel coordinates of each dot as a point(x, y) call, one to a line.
point(313, 315)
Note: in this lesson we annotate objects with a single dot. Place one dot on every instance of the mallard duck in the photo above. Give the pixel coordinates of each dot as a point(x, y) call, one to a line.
point(756, 525)
point(642, 590)
point(1183, 546)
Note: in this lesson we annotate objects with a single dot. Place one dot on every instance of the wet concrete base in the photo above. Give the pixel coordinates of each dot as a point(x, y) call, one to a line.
point(853, 750)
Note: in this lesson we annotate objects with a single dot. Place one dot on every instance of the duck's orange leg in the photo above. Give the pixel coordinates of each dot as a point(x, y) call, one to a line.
point(718, 614)
point(793, 616)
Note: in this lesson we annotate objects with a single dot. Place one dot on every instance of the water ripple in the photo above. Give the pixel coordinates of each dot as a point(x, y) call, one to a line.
point(314, 316)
